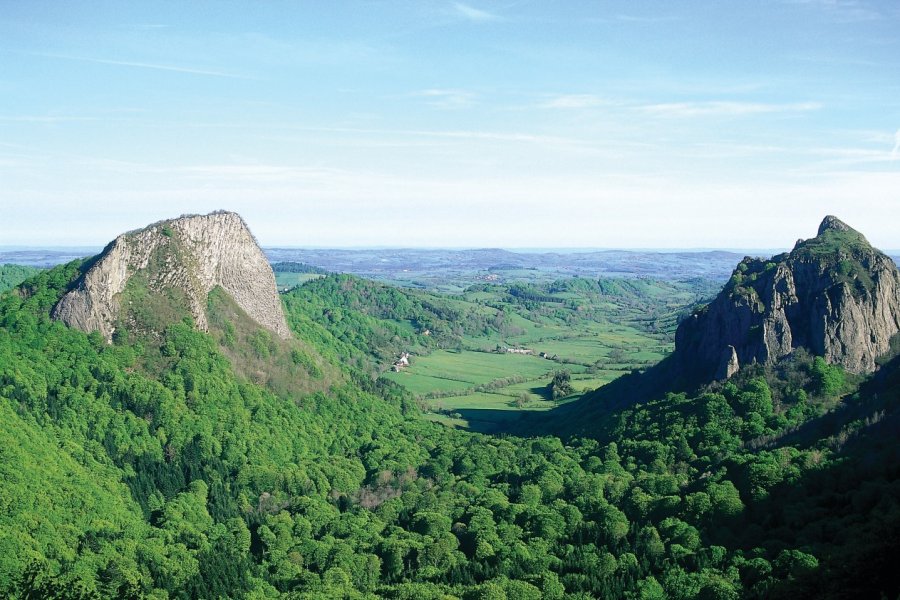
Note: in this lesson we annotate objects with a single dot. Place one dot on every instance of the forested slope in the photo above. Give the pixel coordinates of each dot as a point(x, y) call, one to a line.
point(13, 275)
point(142, 470)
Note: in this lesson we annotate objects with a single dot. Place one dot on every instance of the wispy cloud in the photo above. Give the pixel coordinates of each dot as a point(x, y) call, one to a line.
point(474, 14)
point(646, 19)
point(252, 172)
point(458, 134)
point(624, 18)
point(494, 136)
point(260, 173)
point(895, 153)
point(447, 98)
point(724, 109)
point(145, 65)
point(843, 11)
point(574, 101)
point(44, 119)
point(854, 156)
point(149, 26)
point(16, 162)
point(835, 58)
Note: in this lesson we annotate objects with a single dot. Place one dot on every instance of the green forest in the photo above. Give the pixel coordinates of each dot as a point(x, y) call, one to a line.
point(13, 275)
point(231, 465)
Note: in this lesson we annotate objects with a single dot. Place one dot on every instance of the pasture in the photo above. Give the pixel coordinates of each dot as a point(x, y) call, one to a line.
point(597, 331)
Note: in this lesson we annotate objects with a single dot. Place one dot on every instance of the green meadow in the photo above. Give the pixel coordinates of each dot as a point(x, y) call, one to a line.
point(489, 351)
point(567, 330)
point(286, 281)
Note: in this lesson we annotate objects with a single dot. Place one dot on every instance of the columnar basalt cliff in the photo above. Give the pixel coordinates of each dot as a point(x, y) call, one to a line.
point(184, 258)
point(834, 295)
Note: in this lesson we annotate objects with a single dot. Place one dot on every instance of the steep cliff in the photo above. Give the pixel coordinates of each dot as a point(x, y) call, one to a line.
point(833, 294)
point(144, 277)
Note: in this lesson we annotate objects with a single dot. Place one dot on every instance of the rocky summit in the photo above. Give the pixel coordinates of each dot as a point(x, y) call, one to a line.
point(170, 267)
point(833, 294)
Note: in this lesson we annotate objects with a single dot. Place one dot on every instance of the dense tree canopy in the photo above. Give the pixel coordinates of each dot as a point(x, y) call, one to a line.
point(154, 469)
point(13, 275)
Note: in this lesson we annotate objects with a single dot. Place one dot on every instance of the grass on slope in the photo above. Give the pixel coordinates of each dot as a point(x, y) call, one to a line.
point(287, 367)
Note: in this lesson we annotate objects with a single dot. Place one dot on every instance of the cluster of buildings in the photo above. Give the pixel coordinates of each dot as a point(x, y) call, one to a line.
point(401, 363)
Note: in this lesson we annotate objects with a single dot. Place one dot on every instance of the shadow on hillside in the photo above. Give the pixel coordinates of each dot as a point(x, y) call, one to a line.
point(541, 392)
point(847, 514)
point(875, 395)
point(580, 416)
point(495, 422)
point(585, 416)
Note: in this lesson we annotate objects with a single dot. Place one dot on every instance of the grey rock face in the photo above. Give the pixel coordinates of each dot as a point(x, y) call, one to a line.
point(193, 254)
point(730, 364)
point(833, 294)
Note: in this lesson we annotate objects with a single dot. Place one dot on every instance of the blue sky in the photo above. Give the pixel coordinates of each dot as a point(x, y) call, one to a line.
point(433, 123)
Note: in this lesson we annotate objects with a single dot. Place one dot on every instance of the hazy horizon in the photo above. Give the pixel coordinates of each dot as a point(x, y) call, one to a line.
point(521, 250)
point(525, 249)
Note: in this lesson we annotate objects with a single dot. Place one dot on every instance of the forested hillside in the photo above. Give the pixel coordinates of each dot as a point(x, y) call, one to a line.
point(153, 469)
point(13, 275)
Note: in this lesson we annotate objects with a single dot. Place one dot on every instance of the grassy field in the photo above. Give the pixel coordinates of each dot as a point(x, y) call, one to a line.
point(476, 368)
point(444, 370)
point(475, 389)
point(285, 281)
point(463, 372)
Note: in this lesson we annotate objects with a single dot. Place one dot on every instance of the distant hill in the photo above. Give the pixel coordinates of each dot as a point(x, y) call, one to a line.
point(44, 257)
point(440, 268)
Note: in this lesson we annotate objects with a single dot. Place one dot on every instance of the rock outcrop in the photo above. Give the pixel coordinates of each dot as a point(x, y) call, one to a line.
point(834, 295)
point(182, 258)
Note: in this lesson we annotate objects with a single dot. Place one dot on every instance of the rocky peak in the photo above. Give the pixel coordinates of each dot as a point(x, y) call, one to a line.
point(175, 263)
point(832, 223)
point(833, 294)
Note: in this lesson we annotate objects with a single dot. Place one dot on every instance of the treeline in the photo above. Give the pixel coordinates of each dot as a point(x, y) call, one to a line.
point(653, 306)
point(298, 267)
point(520, 291)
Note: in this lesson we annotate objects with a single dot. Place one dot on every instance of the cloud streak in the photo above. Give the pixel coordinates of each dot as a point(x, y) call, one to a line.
point(491, 136)
point(842, 11)
point(574, 101)
point(45, 119)
point(723, 109)
point(474, 14)
point(145, 65)
point(645, 19)
point(447, 98)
